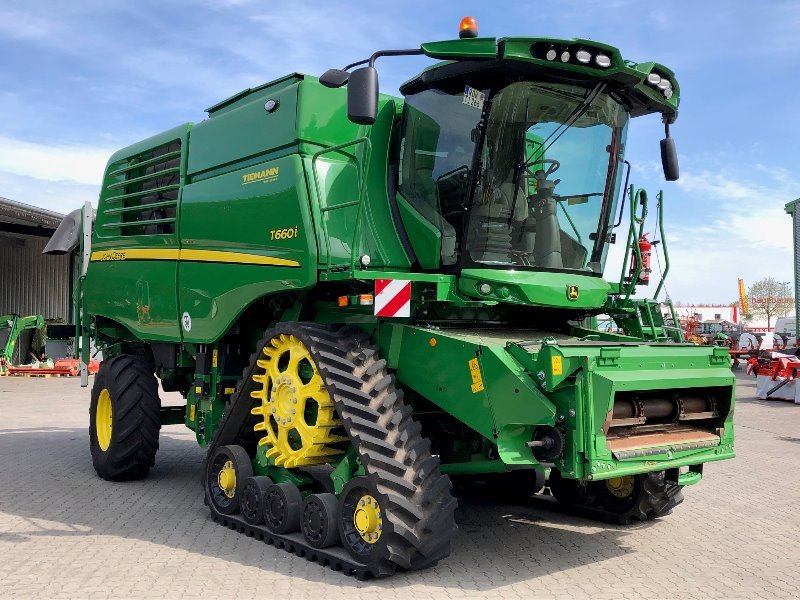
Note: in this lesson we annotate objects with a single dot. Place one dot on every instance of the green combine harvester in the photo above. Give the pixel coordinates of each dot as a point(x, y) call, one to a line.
point(363, 297)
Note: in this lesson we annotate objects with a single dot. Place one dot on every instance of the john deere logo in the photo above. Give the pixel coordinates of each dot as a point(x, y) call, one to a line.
point(573, 292)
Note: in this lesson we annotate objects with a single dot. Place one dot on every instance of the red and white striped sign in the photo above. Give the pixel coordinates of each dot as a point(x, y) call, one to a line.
point(392, 298)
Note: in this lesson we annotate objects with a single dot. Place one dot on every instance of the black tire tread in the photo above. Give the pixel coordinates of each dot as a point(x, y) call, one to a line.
point(136, 419)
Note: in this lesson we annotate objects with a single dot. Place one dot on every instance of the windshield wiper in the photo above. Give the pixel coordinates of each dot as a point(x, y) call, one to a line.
point(576, 114)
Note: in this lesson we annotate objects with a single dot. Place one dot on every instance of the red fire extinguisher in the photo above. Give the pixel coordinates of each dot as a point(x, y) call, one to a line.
point(645, 246)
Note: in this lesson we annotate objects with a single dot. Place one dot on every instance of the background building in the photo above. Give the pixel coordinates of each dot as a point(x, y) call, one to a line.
point(31, 282)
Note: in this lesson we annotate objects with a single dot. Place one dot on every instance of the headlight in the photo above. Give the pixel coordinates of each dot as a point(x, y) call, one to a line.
point(602, 60)
point(654, 79)
point(583, 56)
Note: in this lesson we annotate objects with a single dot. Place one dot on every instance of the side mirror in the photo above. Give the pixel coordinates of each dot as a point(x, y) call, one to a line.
point(362, 96)
point(669, 159)
point(334, 78)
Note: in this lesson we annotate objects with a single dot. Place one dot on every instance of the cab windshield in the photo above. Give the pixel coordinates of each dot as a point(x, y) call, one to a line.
point(526, 177)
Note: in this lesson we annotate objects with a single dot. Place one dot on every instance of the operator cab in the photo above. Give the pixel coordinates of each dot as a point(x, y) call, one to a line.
point(514, 174)
point(513, 149)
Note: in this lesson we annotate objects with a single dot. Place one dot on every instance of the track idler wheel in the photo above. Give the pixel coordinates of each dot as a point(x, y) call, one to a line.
point(361, 520)
point(636, 497)
point(319, 523)
point(226, 472)
point(252, 500)
point(618, 500)
point(283, 507)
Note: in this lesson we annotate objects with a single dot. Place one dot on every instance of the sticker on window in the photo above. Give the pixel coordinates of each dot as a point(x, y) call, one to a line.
point(473, 97)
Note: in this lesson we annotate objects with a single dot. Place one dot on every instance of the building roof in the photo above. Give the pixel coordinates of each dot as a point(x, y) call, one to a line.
point(16, 217)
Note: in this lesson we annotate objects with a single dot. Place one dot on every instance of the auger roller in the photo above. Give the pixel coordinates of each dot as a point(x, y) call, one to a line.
point(362, 298)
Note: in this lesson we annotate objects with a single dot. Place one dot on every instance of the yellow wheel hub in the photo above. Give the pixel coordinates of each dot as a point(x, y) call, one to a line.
point(297, 412)
point(621, 487)
point(227, 479)
point(367, 519)
point(103, 419)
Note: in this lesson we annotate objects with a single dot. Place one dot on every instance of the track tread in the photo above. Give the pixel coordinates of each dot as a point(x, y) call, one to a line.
point(396, 458)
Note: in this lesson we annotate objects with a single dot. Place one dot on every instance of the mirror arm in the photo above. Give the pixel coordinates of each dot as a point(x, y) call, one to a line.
point(356, 64)
point(371, 60)
point(379, 53)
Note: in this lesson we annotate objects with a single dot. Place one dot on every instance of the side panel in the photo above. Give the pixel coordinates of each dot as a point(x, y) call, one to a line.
point(132, 275)
point(240, 134)
point(244, 235)
point(322, 123)
point(478, 383)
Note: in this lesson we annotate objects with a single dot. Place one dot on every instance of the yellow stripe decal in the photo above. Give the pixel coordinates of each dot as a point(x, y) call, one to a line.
point(217, 256)
point(236, 257)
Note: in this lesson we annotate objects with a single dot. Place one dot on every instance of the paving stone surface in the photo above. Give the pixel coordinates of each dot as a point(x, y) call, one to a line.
point(64, 533)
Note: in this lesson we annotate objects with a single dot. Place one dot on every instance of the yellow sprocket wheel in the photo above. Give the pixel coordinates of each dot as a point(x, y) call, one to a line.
point(297, 413)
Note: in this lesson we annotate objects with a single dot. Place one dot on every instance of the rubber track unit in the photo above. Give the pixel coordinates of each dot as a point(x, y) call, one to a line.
point(137, 419)
point(657, 498)
point(395, 455)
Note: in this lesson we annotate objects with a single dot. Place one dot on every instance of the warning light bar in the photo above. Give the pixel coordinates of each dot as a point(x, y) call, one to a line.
point(468, 28)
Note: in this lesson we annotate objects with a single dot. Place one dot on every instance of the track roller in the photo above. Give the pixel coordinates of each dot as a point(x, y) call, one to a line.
point(319, 522)
point(252, 500)
point(283, 507)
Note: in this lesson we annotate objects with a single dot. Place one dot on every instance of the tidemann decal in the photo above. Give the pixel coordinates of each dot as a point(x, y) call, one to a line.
point(218, 256)
point(264, 176)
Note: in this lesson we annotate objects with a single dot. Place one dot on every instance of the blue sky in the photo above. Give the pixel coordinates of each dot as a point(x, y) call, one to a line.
point(79, 80)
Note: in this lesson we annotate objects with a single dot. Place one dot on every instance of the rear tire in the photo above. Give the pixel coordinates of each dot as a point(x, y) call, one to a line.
point(124, 419)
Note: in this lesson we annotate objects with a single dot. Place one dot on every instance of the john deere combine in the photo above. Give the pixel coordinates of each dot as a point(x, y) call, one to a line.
point(362, 296)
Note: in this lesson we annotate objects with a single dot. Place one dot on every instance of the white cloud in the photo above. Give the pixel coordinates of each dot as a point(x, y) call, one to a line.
point(724, 226)
point(72, 163)
point(16, 24)
point(59, 196)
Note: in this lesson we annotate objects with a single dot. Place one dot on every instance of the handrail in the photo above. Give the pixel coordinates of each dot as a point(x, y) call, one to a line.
point(362, 186)
point(663, 243)
point(640, 197)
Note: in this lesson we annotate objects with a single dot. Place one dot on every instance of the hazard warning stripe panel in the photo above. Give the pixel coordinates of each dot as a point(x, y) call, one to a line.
point(392, 298)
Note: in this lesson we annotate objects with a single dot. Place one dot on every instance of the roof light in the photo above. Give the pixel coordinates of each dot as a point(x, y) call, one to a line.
point(664, 84)
point(468, 28)
point(653, 78)
point(565, 56)
point(602, 60)
point(583, 56)
point(551, 54)
point(668, 93)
